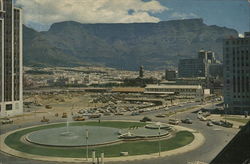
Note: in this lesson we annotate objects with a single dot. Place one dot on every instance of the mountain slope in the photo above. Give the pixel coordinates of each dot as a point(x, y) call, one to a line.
point(154, 45)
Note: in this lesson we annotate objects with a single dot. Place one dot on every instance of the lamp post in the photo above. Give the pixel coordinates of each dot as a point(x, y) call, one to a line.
point(225, 109)
point(87, 148)
point(159, 133)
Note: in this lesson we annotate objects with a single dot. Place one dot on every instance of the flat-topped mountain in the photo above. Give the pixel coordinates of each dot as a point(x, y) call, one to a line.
point(125, 46)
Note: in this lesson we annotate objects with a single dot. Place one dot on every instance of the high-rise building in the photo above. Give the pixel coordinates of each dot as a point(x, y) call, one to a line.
point(141, 72)
point(192, 68)
point(236, 55)
point(197, 67)
point(216, 70)
point(170, 75)
point(211, 57)
point(11, 59)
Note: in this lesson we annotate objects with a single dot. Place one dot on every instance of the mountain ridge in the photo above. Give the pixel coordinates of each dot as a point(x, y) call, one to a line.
point(122, 45)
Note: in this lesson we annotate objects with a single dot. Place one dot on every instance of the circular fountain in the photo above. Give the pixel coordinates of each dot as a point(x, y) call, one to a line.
point(80, 136)
point(73, 136)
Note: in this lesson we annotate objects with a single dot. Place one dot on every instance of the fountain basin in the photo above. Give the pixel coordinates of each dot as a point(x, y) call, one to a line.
point(74, 136)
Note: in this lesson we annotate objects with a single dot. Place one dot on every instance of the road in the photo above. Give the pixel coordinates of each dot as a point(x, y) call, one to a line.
point(216, 138)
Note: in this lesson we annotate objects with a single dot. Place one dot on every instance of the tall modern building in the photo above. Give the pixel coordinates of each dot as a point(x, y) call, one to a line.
point(11, 59)
point(197, 67)
point(141, 72)
point(170, 75)
point(236, 54)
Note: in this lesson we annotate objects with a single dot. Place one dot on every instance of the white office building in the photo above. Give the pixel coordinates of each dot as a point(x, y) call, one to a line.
point(11, 59)
point(236, 54)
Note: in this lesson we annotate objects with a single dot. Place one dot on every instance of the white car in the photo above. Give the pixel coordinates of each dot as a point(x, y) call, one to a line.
point(166, 108)
point(202, 118)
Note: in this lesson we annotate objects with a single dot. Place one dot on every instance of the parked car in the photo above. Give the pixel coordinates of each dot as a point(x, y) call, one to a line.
point(44, 119)
point(209, 123)
point(174, 121)
point(95, 116)
point(135, 113)
point(145, 119)
point(187, 121)
point(64, 115)
point(79, 118)
point(226, 124)
point(107, 114)
point(166, 108)
point(7, 121)
point(48, 106)
point(119, 114)
point(161, 115)
point(201, 118)
point(217, 123)
point(206, 114)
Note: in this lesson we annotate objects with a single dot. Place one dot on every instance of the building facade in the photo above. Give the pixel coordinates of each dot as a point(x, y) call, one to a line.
point(141, 72)
point(197, 67)
point(216, 70)
point(190, 68)
point(170, 75)
point(11, 59)
point(236, 55)
point(183, 91)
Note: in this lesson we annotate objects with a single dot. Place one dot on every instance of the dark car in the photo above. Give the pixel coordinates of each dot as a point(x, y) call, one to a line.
point(94, 116)
point(217, 123)
point(209, 123)
point(7, 121)
point(161, 115)
point(187, 121)
point(145, 119)
point(226, 124)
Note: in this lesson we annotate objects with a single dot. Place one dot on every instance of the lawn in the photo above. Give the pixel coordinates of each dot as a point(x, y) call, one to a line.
point(181, 138)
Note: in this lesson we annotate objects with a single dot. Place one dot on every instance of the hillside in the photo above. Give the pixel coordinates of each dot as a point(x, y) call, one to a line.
point(125, 46)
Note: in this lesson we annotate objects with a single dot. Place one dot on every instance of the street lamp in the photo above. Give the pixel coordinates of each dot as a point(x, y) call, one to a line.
point(159, 133)
point(87, 148)
point(225, 109)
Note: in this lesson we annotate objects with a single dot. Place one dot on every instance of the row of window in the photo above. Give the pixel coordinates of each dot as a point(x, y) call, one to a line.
point(170, 90)
point(237, 42)
point(8, 107)
point(241, 96)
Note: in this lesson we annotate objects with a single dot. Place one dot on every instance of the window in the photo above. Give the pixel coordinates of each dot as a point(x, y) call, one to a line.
point(9, 107)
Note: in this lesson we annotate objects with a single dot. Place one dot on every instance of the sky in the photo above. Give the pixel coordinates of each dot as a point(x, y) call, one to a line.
point(40, 14)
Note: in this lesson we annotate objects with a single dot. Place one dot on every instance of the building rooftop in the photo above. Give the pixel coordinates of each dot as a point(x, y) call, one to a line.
point(175, 86)
point(128, 90)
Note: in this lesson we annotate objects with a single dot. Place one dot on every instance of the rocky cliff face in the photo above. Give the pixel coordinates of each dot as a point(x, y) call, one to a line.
point(126, 46)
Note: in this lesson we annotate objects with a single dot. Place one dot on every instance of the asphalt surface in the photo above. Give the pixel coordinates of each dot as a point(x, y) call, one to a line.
point(216, 138)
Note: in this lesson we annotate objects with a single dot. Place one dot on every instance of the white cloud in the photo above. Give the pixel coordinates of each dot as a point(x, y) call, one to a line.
point(178, 15)
point(47, 12)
